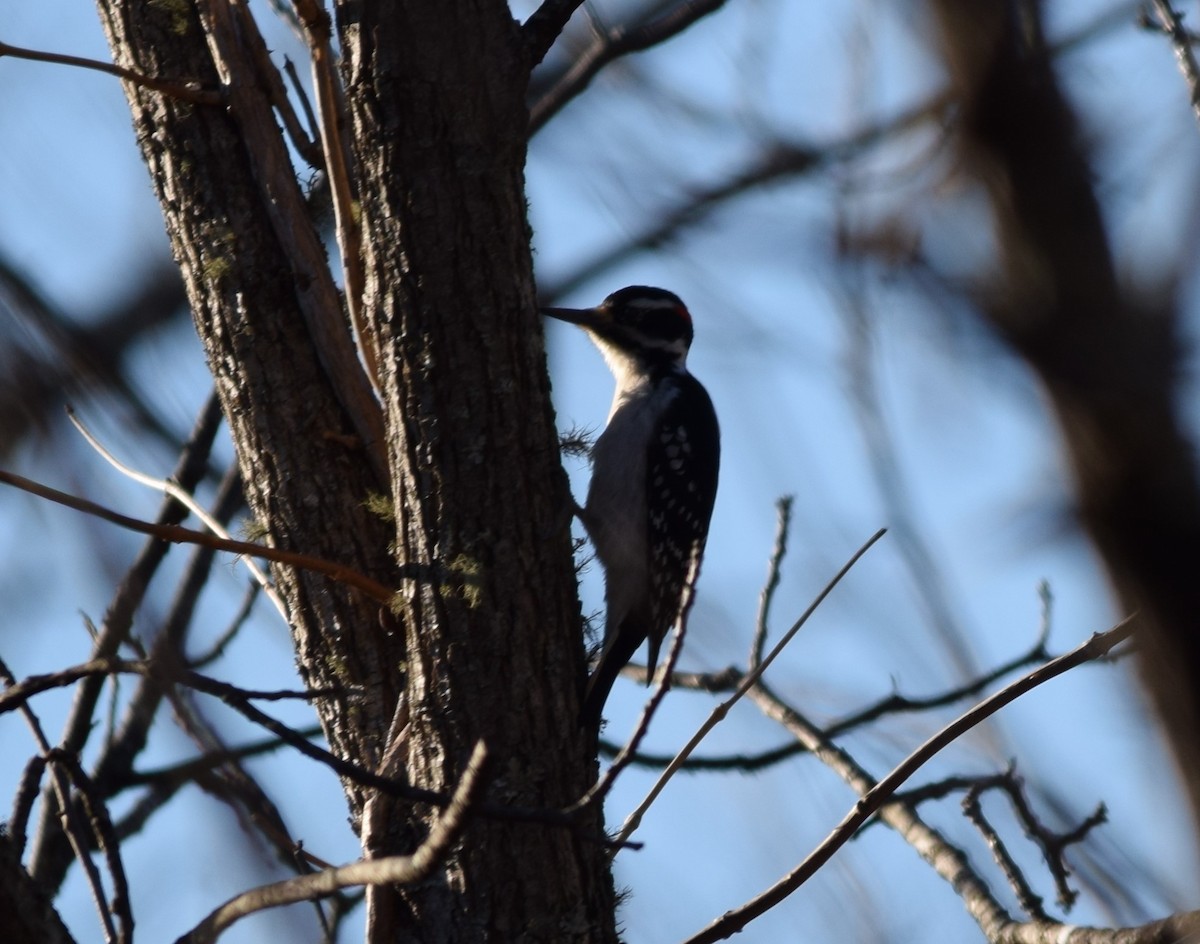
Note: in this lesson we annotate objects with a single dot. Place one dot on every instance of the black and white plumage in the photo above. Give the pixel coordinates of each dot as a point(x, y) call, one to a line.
point(654, 475)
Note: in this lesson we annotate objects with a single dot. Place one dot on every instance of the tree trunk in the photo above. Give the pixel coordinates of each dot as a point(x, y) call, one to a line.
point(485, 642)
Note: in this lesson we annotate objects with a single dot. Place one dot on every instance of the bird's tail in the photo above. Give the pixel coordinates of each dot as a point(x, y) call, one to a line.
point(617, 652)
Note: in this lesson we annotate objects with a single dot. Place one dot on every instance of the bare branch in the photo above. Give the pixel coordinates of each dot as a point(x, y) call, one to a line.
point(239, 700)
point(335, 144)
point(184, 497)
point(236, 698)
point(23, 800)
point(51, 856)
point(728, 679)
point(875, 795)
point(748, 682)
point(176, 534)
point(186, 771)
point(63, 768)
point(231, 783)
point(320, 303)
point(1171, 23)
point(113, 768)
point(613, 44)
point(545, 25)
point(1030, 903)
point(81, 353)
point(188, 91)
point(1051, 843)
point(783, 523)
point(269, 74)
point(18, 693)
point(780, 160)
point(390, 870)
point(100, 821)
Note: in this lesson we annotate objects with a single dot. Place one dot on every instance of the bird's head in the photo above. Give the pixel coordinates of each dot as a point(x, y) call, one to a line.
point(649, 326)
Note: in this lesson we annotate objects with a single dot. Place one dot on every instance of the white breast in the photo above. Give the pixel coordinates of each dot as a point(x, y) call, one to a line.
point(616, 506)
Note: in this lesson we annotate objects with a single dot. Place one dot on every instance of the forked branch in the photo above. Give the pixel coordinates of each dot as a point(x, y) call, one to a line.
point(389, 870)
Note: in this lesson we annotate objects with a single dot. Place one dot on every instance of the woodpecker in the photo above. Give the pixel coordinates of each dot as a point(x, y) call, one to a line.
point(654, 475)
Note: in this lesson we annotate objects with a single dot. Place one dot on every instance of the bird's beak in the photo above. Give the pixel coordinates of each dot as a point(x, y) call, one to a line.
point(584, 317)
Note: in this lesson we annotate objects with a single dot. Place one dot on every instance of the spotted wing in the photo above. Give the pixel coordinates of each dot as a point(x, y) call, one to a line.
point(682, 468)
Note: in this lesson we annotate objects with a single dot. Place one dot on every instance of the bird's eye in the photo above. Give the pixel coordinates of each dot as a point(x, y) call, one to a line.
point(665, 322)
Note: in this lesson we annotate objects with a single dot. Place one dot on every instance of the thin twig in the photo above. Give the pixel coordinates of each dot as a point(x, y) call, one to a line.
point(389, 870)
point(26, 794)
point(306, 106)
point(1171, 23)
point(888, 473)
point(876, 795)
point(544, 26)
point(186, 771)
point(239, 700)
point(72, 827)
point(1030, 902)
point(331, 112)
point(1052, 844)
point(748, 681)
point(50, 856)
point(783, 524)
point(616, 42)
point(305, 146)
point(184, 497)
point(18, 693)
point(892, 704)
point(176, 534)
point(188, 91)
point(217, 649)
point(940, 789)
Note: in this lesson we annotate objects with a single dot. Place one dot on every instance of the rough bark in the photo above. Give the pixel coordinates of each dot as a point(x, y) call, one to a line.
point(486, 642)
point(482, 506)
point(234, 216)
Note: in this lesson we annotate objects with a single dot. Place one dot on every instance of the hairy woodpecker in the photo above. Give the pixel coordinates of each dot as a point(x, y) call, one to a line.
point(654, 475)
